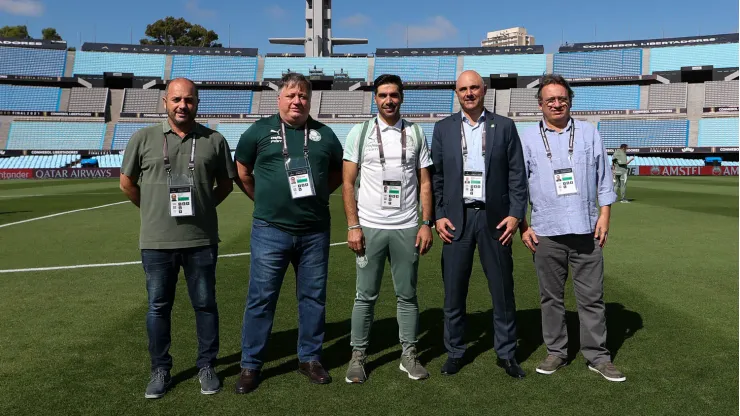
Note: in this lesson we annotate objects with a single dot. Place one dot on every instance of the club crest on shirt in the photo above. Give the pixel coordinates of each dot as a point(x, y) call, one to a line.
point(314, 135)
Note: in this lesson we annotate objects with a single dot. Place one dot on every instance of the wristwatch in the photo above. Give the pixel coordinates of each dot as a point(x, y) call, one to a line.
point(426, 222)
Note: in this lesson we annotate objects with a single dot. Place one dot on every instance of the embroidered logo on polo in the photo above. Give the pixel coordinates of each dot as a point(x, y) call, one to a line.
point(314, 135)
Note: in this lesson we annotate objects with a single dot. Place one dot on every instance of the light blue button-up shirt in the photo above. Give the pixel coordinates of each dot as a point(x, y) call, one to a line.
point(554, 215)
point(474, 137)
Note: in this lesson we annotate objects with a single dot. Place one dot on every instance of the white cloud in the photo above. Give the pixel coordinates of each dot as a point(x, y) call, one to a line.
point(22, 7)
point(434, 29)
point(356, 20)
point(276, 12)
point(194, 8)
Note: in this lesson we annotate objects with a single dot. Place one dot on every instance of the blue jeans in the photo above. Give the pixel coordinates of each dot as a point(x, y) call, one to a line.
point(161, 268)
point(272, 251)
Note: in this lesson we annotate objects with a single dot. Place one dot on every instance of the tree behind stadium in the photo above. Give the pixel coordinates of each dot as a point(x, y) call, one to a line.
point(179, 32)
point(21, 32)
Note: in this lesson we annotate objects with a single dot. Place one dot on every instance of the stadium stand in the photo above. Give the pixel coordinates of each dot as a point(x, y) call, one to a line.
point(123, 131)
point(506, 64)
point(22, 98)
point(720, 131)
point(88, 99)
point(523, 99)
point(428, 129)
point(723, 55)
point(141, 101)
point(27, 61)
point(662, 161)
point(225, 101)
point(214, 68)
point(51, 135)
point(268, 102)
point(96, 63)
point(353, 67)
point(232, 132)
point(598, 64)
point(644, 132)
point(423, 68)
point(341, 130)
point(721, 93)
point(342, 102)
point(609, 97)
point(424, 101)
point(661, 96)
point(38, 161)
point(109, 161)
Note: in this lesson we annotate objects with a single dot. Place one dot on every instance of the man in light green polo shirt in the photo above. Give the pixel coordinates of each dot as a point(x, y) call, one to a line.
point(169, 171)
point(621, 171)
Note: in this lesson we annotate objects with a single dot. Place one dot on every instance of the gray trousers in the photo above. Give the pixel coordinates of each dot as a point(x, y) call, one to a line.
point(551, 260)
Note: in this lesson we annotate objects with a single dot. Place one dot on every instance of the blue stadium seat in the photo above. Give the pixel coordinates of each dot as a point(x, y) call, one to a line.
point(424, 101)
point(225, 101)
point(644, 132)
point(506, 64)
point(49, 135)
point(214, 68)
point(724, 55)
point(718, 132)
point(27, 61)
point(232, 132)
point(423, 68)
point(598, 64)
point(354, 67)
point(610, 97)
point(123, 132)
point(96, 63)
point(22, 98)
point(341, 130)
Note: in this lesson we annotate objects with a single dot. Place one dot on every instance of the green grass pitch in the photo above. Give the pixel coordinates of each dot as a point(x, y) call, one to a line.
point(73, 341)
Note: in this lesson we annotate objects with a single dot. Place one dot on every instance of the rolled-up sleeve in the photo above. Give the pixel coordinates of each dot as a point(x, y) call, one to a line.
point(607, 196)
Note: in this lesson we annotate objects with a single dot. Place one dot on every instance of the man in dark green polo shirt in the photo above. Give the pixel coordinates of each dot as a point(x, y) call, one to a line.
point(288, 164)
point(168, 171)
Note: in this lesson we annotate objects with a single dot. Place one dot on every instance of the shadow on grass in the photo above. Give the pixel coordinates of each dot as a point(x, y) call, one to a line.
point(621, 325)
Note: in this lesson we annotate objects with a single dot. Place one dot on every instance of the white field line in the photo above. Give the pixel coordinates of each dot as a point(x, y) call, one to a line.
point(58, 194)
point(61, 213)
point(125, 263)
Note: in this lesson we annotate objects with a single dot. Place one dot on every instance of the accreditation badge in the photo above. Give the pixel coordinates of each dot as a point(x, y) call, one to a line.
point(181, 196)
point(473, 184)
point(565, 182)
point(300, 180)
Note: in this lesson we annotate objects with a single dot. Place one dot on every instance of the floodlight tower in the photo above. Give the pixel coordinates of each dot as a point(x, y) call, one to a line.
point(318, 40)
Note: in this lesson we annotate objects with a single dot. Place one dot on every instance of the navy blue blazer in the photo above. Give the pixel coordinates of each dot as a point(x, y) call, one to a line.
point(505, 177)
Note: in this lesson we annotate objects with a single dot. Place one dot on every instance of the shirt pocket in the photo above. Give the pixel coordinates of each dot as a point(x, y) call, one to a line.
point(584, 165)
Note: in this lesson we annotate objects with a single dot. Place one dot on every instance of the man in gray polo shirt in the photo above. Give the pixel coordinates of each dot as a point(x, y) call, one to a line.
point(571, 194)
point(168, 171)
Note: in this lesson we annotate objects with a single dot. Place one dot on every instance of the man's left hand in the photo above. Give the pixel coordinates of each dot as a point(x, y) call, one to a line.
point(602, 230)
point(424, 239)
point(511, 224)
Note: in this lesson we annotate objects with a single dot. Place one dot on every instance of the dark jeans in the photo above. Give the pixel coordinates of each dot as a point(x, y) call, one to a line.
point(162, 268)
point(272, 251)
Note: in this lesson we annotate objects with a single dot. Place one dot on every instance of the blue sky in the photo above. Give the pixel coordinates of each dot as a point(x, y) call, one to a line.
point(430, 22)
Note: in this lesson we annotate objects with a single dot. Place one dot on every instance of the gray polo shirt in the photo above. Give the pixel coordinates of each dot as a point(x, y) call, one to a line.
point(144, 158)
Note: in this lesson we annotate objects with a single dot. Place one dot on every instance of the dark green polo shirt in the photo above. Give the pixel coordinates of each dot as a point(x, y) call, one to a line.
point(261, 147)
point(144, 158)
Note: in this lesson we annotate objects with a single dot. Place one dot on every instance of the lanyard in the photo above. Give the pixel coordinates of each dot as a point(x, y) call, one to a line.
point(380, 144)
point(571, 141)
point(465, 141)
point(165, 152)
point(285, 143)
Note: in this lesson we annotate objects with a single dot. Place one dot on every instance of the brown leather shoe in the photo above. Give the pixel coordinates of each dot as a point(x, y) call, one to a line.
point(315, 372)
point(249, 379)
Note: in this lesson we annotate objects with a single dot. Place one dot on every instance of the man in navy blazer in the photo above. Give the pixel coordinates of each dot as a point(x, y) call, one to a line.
point(480, 195)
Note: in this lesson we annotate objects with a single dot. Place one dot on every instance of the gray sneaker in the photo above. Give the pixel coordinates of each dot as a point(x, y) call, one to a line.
point(550, 364)
point(209, 382)
point(608, 370)
point(410, 365)
point(356, 370)
point(158, 383)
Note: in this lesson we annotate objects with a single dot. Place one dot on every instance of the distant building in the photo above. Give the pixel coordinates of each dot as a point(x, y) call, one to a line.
point(515, 36)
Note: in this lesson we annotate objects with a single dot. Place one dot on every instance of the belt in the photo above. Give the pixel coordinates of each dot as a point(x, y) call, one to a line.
point(475, 205)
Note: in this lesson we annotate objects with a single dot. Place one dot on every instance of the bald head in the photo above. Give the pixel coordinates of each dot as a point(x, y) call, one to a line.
point(180, 84)
point(181, 103)
point(470, 91)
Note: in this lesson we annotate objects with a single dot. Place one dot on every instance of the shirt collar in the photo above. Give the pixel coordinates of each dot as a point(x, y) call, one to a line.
point(384, 126)
point(481, 119)
point(166, 128)
point(567, 127)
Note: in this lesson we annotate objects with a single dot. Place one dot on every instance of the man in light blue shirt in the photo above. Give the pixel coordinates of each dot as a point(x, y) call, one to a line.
point(570, 189)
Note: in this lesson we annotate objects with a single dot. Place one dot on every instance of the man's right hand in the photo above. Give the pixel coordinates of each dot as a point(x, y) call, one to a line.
point(356, 240)
point(529, 238)
point(443, 225)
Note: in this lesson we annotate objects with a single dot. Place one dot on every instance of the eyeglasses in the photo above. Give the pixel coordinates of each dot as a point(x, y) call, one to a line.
point(552, 101)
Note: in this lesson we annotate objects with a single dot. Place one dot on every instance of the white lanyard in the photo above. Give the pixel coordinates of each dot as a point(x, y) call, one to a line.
point(168, 165)
point(464, 141)
point(571, 141)
point(285, 142)
point(380, 144)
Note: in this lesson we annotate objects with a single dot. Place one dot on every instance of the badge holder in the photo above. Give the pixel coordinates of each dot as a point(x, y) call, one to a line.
point(300, 178)
point(565, 182)
point(181, 192)
point(473, 180)
point(392, 195)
